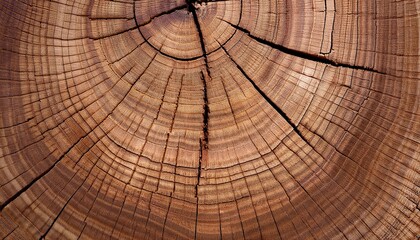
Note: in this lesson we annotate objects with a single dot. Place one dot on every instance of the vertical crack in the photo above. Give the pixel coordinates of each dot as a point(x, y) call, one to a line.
point(324, 30)
point(191, 8)
point(196, 188)
point(203, 145)
point(205, 114)
point(204, 140)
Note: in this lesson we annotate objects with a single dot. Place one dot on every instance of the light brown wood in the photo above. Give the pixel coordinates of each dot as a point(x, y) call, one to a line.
point(230, 119)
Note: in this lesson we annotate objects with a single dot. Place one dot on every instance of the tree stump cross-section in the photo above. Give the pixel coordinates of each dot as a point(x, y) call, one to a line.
point(218, 119)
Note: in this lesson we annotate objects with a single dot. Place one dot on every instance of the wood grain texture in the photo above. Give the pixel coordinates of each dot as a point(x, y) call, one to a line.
point(231, 119)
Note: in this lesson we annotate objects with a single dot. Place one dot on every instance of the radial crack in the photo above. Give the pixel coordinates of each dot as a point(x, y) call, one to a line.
point(43, 236)
point(203, 145)
point(300, 54)
point(204, 140)
point(44, 173)
point(192, 9)
point(138, 26)
point(268, 99)
point(184, 6)
point(205, 114)
point(196, 187)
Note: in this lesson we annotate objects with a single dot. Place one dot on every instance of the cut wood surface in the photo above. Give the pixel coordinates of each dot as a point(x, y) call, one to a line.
point(223, 119)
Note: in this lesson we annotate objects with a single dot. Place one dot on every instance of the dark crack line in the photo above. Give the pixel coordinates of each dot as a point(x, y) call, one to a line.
point(170, 11)
point(192, 9)
point(166, 217)
point(103, 36)
point(203, 145)
point(43, 236)
point(206, 109)
point(324, 28)
point(26, 187)
point(268, 99)
point(162, 101)
point(44, 173)
point(203, 78)
point(196, 188)
point(138, 26)
point(91, 205)
point(119, 214)
point(205, 113)
point(300, 54)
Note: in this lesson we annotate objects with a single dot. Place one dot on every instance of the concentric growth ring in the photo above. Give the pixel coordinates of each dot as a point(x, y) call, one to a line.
point(224, 119)
point(174, 32)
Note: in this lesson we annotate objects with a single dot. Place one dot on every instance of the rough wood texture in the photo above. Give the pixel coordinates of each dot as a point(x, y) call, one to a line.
point(233, 119)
